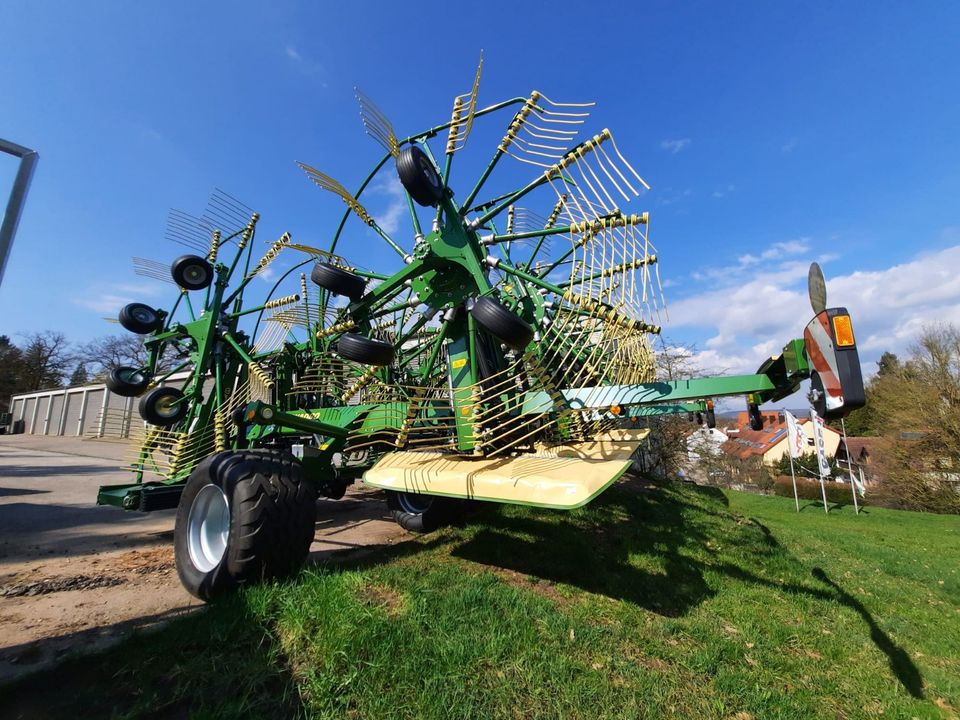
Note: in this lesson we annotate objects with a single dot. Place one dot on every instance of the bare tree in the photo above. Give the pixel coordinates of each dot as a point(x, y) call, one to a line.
point(44, 360)
point(102, 354)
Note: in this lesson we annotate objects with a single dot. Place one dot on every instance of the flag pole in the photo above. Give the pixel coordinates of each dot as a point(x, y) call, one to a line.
point(793, 477)
point(853, 484)
point(818, 442)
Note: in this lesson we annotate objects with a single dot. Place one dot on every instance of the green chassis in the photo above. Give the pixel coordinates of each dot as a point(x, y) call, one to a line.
point(777, 378)
point(446, 268)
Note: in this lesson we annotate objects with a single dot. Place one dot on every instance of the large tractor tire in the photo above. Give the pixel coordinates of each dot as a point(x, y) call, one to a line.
point(244, 516)
point(424, 513)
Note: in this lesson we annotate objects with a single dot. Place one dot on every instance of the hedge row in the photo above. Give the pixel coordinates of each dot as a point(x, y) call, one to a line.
point(810, 489)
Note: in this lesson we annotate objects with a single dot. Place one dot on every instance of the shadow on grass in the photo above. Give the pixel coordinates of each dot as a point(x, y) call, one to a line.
point(651, 548)
point(653, 529)
point(900, 663)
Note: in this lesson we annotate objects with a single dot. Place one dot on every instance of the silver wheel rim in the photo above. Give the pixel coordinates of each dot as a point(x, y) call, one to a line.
point(167, 406)
point(195, 274)
point(143, 315)
point(208, 526)
point(413, 503)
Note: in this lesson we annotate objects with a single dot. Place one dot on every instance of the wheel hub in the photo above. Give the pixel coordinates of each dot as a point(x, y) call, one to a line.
point(195, 274)
point(208, 526)
point(414, 504)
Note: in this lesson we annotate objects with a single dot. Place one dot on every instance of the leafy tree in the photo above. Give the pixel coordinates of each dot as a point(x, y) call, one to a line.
point(917, 403)
point(807, 466)
point(11, 361)
point(79, 376)
point(865, 422)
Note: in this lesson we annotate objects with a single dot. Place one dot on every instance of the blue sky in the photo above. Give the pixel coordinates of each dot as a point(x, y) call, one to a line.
point(772, 134)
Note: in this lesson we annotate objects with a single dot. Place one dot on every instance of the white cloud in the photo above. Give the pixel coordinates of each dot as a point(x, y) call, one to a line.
point(304, 64)
point(789, 145)
point(777, 251)
point(389, 217)
point(669, 196)
point(674, 146)
point(109, 299)
point(750, 316)
point(724, 190)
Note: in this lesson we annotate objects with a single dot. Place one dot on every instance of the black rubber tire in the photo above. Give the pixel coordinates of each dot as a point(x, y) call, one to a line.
point(368, 351)
point(272, 520)
point(338, 281)
point(192, 272)
point(157, 409)
point(501, 323)
point(424, 513)
point(756, 418)
point(140, 319)
point(419, 176)
point(127, 381)
point(711, 419)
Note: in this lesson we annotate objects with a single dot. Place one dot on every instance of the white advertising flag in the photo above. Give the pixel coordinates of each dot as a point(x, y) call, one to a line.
point(797, 439)
point(819, 443)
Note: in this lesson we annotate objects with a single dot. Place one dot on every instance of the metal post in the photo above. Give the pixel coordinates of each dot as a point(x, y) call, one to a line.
point(103, 411)
point(125, 424)
point(793, 477)
point(83, 412)
point(33, 417)
point(46, 418)
point(853, 484)
point(21, 183)
point(63, 415)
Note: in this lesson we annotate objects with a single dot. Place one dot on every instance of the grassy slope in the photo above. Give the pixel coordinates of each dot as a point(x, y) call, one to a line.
point(675, 602)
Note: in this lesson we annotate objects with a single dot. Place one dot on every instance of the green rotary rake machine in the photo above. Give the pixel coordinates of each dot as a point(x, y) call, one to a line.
point(506, 357)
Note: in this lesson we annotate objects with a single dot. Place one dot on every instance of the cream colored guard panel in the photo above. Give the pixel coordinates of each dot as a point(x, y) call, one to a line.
point(559, 476)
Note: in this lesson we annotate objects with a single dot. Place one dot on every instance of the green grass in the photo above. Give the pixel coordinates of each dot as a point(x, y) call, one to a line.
point(672, 602)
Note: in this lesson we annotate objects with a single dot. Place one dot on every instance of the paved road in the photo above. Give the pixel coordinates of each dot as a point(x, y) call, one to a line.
point(53, 536)
point(48, 493)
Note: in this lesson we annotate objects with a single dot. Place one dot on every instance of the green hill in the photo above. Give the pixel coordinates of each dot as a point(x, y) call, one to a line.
point(652, 602)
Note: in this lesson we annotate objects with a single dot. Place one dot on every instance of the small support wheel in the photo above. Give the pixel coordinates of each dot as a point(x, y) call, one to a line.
point(140, 319)
point(192, 272)
point(756, 418)
point(423, 513)
point(818, 396)
point(368, 351)
point(419, 176)
point(338, 281)
point(163, 406)
point(127, 381)
point(244, 516)
point(501, 323)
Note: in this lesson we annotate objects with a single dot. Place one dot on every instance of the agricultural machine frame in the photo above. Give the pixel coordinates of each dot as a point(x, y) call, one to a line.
point(469, 373)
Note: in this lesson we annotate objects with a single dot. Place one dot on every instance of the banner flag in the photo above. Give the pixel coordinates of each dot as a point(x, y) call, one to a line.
point(797, 439)
point(820, 443)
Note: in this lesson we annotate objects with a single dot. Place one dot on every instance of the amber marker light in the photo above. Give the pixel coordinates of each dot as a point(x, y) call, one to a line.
point(843, 331)
point(616, 409)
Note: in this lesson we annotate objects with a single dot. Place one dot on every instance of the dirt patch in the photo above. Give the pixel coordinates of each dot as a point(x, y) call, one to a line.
point(544, 588)
point(383, 597)
point(55, 605)
point(58, 584)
